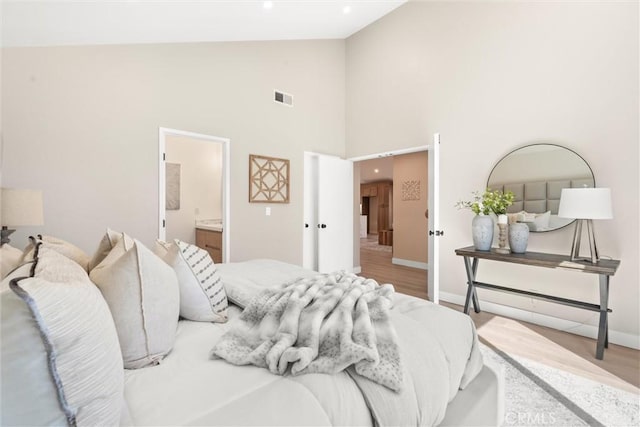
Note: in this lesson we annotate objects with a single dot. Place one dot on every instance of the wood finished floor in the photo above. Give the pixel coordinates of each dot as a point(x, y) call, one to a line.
point(571, 353)
point(377, 265)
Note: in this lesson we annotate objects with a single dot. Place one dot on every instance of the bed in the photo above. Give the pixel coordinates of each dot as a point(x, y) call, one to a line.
point(71, 323)
point(188, 388)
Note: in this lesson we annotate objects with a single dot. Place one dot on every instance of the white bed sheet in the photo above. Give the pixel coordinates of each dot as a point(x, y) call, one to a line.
point(190, 389)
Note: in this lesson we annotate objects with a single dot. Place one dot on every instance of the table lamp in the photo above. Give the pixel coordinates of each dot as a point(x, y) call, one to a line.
point(585, 205)
point(18, 208)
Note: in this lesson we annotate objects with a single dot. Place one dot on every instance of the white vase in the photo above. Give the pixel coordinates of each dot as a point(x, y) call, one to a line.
point(518, 237)
point(482, 232)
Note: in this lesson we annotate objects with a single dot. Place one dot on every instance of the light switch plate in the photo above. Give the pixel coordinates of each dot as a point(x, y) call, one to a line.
point(267, 211)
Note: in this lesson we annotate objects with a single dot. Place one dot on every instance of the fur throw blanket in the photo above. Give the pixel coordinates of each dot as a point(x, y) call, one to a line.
point(319, 324)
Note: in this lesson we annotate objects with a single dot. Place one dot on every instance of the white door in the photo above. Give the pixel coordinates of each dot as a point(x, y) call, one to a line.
point(328, 239)
point(435, 233)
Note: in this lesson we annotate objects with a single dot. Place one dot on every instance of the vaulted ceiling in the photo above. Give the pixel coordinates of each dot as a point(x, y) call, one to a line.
point(91, 22)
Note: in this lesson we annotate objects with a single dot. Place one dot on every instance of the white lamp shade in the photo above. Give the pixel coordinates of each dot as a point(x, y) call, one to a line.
point(585, 203)
point(21, 207)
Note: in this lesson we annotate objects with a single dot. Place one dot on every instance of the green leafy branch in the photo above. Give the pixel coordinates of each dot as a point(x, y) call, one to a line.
point(494, 201)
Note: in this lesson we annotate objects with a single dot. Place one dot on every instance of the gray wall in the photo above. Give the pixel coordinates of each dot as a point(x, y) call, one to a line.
point(491, 76)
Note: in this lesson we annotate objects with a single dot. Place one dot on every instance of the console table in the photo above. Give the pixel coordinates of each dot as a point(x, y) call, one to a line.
point(604, 269)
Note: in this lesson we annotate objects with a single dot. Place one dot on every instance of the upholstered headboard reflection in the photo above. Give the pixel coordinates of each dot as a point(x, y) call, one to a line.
point(540, 196)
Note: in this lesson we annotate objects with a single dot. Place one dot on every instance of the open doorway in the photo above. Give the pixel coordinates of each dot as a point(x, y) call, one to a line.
point(414, 190)
point(193, 190)
point(376, 204)
point(394, 227)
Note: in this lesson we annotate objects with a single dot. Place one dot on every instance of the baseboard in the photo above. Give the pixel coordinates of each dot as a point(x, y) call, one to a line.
point(616, 337)
point(409, 263)
point(357, 270)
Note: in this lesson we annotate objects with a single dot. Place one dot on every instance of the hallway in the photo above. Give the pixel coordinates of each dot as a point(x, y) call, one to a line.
point(375, 262)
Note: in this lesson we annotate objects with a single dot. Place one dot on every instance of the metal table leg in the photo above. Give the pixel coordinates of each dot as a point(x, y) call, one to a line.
point(471, 290)
point(476, 303)
point(603, 328)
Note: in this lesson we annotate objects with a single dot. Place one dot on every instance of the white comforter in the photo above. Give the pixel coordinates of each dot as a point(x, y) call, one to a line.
point(189, 389)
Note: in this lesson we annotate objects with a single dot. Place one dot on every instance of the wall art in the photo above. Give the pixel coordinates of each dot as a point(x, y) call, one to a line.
point(172, 195)
point(268, 179)
point(411, 190)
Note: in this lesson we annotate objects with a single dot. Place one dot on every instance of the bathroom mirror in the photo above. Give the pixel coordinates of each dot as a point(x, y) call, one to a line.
point(536, 174)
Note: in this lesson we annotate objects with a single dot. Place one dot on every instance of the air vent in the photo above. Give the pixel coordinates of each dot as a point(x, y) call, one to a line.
point(283, 98)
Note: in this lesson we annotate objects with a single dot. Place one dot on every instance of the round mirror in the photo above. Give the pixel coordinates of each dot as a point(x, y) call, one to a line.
point(536, 174)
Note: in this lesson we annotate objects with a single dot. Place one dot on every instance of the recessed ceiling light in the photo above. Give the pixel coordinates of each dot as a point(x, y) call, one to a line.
point(376, 170)
point(267, 5)
point(346, 9)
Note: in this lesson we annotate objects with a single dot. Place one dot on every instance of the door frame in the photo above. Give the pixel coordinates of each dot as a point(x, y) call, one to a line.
point(433, 283)
point(226, 182)
point(433, 278)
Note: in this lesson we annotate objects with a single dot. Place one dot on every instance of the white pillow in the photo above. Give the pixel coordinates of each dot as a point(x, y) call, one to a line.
point(107, 243)
point(202, 294)
point(61, 361)
point(142, 293)
point(63, 247)
point(542, 220)
point(524, 216)
point(512, 218)
point(10, 259)
point(24, 270)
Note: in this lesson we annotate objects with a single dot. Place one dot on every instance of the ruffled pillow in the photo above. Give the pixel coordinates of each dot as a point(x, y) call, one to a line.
point(61, 360)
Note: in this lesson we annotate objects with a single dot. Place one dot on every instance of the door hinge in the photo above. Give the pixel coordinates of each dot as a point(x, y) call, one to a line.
point(438, 233)
point(164, 156)
point(164, 223)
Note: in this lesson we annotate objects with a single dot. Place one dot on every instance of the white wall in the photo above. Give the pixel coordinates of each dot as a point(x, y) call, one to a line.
point(492, 76)
point(200, 184)
point(81, 123)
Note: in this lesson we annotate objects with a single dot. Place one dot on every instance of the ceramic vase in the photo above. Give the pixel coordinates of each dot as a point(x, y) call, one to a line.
point(518, 237)
point(482, 232)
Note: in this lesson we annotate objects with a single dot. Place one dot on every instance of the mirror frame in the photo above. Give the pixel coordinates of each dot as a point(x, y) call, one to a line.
point(543, 143)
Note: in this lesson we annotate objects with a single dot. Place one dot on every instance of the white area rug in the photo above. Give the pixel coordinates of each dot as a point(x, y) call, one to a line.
point(538, 395)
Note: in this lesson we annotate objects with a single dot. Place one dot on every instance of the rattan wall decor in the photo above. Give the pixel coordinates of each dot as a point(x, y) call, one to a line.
point(411, 190)
point(268, 179)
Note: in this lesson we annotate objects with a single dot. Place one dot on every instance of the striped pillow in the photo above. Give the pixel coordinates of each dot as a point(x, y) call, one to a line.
point(61, 361)
point(202, 294)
